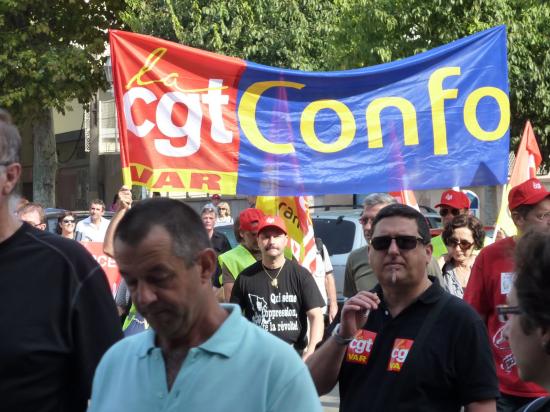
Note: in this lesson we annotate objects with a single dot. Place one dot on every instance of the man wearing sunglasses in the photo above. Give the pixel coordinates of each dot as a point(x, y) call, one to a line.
point(359, 274)
point(452, 203)
point(408, 344)
point(491, 280)
point(56, 309)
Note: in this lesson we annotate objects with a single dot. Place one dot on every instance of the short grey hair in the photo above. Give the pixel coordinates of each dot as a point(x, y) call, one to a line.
point(375, 199)
point(10, 140)
point(209, 208)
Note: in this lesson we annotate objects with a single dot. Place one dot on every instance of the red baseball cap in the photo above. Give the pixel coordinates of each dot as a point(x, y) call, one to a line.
point(216, 196)
point(250, 218)
point(272, 221)
point(452, 198)
point(529, 192)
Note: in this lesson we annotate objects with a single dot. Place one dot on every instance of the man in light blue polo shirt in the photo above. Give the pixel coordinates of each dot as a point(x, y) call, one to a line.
point(195, 347)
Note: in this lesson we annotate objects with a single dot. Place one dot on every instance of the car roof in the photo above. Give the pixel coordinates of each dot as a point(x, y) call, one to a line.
point(337, 213)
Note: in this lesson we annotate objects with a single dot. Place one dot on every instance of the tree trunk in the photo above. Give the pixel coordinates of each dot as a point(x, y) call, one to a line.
point(44, 168)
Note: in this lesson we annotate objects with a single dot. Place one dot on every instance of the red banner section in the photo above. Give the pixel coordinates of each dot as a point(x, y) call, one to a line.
point(108, 264)
point(176, 113)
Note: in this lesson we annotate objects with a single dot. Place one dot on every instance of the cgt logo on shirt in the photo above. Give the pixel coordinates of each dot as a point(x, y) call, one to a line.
point(360, 347)
point(401, 348)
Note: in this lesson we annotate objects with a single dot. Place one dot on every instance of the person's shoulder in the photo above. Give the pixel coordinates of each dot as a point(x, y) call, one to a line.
point(359, 253)
point(251, 270)
point(270, 347)
point(457, 308)
point(500, 247)
point(125, 350)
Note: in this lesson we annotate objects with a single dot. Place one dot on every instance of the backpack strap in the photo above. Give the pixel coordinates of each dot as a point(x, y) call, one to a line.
point(319, 244)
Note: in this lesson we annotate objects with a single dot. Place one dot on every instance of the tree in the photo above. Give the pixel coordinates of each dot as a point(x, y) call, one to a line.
point(51, 53)
point(291, 34)
point(378, 31)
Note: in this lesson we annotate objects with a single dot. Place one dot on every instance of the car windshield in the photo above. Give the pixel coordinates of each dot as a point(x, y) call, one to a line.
point(337, 234)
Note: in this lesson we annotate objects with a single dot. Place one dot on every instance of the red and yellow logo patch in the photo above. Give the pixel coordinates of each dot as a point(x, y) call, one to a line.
point(360, 348)
point(401, 348)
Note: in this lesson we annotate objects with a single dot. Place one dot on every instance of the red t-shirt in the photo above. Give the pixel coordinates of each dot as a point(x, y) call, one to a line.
point(490, 281)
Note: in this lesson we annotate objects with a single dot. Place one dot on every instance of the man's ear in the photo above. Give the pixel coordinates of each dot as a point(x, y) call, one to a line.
point(518, 219)
point(429, 251)
point(13, 172)
point(207, 260)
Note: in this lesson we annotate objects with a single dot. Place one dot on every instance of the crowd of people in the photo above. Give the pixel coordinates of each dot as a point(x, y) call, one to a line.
point(429, 323)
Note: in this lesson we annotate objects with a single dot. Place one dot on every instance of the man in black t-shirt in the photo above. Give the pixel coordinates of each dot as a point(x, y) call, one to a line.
point(408, 345)
point(279, 295)
point(56, 311)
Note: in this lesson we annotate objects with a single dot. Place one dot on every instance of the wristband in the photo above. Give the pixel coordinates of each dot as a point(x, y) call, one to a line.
point(340, 340)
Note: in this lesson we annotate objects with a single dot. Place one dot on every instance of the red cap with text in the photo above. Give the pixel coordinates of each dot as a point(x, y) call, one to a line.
point(529, 192)
point(249, 219)
point(272, 221)
point(452, 198)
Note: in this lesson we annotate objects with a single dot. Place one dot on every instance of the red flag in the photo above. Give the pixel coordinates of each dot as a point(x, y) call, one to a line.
point(527, 162)
point(528, 157)
point(406, 197)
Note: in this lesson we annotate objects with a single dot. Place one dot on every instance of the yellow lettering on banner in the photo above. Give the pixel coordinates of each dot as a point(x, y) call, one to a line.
point(183, 179)
point(470, 116)
point(170, 80)
point(437, 100)
point(347, 122)
point(247, 116)
point(374, 126)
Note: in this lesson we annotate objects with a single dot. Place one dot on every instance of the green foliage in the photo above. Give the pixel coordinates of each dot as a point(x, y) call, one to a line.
point(344, 34)
point(377, 31)
point(291, 33)
point(51, 52)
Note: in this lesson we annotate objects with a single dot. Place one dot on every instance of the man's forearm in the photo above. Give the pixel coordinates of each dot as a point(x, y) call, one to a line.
point(316, 326)
point(324, 365)
point(108, 242)
point(227, 289)
point(331, 289)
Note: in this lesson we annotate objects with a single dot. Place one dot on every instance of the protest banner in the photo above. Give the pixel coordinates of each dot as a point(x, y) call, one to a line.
point(191, 120)
point(107, 263)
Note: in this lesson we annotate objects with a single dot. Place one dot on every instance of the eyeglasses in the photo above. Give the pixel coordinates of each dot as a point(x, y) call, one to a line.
point(68, 220)
point(222, 208)
point(364, 220)
point(445, 211)
point(403, 242)
point(543, 216)
point(464, 244)
point(503, 312)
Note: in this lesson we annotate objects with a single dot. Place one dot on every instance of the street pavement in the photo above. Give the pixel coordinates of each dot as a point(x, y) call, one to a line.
point(331, 401)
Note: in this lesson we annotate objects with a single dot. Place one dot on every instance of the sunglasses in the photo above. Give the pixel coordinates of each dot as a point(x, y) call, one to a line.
point(464, 244)
point(504, 312)
point(403, 242)
point(445, 211)
point(68, 221)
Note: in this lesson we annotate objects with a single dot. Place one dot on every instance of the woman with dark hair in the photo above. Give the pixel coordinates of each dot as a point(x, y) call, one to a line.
point(66, 225)
point(527, 314)
point(463, 236)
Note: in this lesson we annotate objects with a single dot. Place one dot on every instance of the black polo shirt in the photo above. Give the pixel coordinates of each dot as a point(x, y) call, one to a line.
point(454, 367)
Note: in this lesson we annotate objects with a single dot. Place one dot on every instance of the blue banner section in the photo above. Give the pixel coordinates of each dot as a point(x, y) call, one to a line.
point(435, 120)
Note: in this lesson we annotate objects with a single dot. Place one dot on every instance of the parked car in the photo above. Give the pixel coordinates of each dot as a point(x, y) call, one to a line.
point(341, 233)
point(53, 214)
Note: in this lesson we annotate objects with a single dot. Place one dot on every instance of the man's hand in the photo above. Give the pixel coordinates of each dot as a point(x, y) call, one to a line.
point(124, 198)
point(356, 311)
